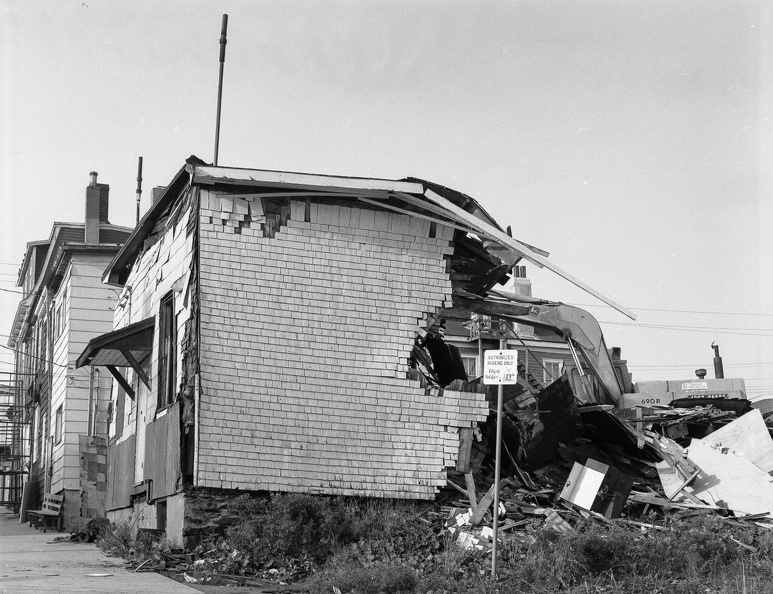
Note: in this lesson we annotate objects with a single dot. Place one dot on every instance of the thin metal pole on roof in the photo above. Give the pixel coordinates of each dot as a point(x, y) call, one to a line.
point(139, 187)
point(223, 41)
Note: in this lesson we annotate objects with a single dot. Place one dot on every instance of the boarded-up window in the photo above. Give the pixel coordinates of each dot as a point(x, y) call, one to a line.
point(167, 355)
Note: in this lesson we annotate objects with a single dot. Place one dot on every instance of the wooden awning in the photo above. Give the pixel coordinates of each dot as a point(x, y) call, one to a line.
point(126, 347)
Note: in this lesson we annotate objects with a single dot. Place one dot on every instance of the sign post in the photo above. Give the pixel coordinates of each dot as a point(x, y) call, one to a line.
point(499, 368)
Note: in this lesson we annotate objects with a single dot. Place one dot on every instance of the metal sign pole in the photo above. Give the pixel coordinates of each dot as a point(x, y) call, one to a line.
point(500, 368)
point(497, 465)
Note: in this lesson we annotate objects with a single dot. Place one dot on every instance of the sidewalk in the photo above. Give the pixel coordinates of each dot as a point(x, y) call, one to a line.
point(31, 561)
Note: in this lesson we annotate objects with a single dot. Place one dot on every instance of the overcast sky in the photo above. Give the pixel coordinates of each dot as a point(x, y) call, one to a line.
point(631, 140)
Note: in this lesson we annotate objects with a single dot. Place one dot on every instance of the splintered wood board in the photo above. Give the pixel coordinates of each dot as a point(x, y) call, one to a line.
point(748, 438)
point(741, 485)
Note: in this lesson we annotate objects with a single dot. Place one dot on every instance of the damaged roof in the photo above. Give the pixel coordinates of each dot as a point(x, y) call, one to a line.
point(485, 239)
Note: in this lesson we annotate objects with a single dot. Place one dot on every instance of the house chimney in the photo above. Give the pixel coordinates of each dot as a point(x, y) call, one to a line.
point(157, 191)
point(97, 201)
point(522, 287)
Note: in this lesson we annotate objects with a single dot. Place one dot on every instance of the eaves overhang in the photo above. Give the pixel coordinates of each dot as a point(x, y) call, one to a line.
point(118, 269)
point(412, 196)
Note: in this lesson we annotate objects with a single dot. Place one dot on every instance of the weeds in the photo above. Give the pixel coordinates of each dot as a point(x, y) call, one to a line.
point(124, 539)
point(384, 547)
point(117, 538)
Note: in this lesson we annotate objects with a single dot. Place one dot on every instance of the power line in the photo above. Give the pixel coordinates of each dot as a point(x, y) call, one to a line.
point(705, 329)
point(699, 364)
point(715, 313)
point(31, 356)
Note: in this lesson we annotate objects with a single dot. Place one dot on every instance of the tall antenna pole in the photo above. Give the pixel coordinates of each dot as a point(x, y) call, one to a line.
point(139, 187)
point(223, 41)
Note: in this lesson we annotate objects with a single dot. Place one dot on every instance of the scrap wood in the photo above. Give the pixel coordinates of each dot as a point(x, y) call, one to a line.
point(653, 499)
point(673, 482)
point(486, 502)
point(511, 524)
point(672, 453)
point(555, 522)
point(471, 491)
point(744, 545)
point(761, 516)
point(525, 478)
point(465, 449)
point(639, 524)
point(457, 487)
point(533, 510)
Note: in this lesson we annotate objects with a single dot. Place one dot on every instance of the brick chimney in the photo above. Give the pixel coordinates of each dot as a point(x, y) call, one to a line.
point(97, 201)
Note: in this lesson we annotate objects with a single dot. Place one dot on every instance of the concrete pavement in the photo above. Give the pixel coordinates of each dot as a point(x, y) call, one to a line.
point(32, 561)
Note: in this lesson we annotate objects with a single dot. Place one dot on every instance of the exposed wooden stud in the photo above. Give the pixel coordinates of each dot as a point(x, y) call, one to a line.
point(472, 492)
point(465, 448)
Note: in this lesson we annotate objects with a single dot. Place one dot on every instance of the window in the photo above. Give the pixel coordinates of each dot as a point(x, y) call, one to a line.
point(59, 319)
point(167, 351)
point(553, 370)
point(36, 424)
point(58, 425)
point(470, 366)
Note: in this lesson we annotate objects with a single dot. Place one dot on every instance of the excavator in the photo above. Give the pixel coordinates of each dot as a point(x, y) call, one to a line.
point(579, 329)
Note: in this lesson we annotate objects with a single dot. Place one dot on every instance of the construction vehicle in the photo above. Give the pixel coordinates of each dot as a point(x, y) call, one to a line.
point(599, 381)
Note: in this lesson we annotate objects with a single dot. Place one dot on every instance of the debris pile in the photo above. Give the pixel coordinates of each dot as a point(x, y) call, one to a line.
point(565, 462)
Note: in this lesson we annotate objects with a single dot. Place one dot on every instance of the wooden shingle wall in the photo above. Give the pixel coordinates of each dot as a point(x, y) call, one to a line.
point(305, 339)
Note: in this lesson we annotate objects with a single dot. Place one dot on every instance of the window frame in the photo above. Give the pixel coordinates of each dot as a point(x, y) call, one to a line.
point(546, 362)
point(58, 424)
point(472, 361)
point(167, 352)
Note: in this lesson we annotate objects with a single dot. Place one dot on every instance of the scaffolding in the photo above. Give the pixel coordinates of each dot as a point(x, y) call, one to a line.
point(13, 461)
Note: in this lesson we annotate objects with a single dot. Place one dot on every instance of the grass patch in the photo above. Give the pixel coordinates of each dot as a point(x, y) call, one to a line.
point(351, 546)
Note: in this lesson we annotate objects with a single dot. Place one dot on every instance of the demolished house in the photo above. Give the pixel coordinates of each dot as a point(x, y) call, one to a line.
point(269, 337)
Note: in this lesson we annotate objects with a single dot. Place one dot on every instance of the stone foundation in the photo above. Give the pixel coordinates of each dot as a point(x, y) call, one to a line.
point(206, 513)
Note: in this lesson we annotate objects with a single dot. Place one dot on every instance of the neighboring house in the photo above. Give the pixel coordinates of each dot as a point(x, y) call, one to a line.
point(543, 354)
point(64, 305)
point(264, 333)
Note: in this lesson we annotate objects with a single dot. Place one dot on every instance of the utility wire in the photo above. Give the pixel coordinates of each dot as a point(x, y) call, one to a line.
point(699, 364)
point(705, 329)
point(32, 357)
point(715, 313)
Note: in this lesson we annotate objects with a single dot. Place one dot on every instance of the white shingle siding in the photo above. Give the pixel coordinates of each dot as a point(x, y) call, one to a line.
point(305, 339)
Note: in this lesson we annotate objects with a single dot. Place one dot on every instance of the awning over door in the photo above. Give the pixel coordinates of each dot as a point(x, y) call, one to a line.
point(126, 347)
